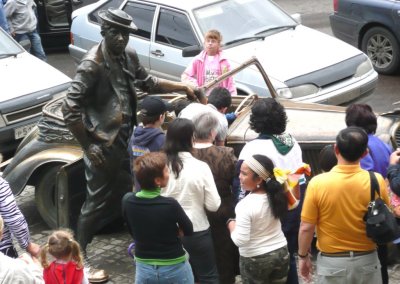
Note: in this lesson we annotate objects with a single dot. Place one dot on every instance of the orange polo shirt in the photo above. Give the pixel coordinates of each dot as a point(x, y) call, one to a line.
point(336, 203)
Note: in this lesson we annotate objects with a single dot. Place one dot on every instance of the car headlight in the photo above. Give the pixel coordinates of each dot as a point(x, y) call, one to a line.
point(364, 68)
point(298, 91)
point(2, 122)
point(284, 93)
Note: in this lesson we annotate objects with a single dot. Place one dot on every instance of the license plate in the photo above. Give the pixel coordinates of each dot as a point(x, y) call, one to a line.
point(22, 131)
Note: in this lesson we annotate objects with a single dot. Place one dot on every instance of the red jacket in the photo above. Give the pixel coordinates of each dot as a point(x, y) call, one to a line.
point(65, 273)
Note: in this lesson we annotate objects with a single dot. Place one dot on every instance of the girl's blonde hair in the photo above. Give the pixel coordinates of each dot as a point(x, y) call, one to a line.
point(213, 34)
point(61, 244)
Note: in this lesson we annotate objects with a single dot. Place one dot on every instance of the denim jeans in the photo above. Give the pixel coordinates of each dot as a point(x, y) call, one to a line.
point(180, 273)
point(36, 43)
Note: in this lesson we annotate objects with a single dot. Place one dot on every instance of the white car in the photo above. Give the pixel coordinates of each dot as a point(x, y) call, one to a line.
point(27, 84)
point(303, 64)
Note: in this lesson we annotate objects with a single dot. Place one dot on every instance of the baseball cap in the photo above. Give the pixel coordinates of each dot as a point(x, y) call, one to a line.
point(153, 105)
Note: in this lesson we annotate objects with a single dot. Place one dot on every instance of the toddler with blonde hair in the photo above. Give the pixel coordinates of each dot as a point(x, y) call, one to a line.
point(68, 264)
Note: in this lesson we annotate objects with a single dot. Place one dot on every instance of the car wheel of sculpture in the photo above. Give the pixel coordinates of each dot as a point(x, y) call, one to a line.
point(383, 49)
point(247, 102)
point(45, 194)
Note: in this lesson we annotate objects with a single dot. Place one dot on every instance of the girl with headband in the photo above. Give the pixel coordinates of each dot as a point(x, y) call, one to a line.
point(264, 257)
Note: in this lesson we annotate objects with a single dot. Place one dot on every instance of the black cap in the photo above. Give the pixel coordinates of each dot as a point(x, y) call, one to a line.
point(153, 106)
point(119, 18)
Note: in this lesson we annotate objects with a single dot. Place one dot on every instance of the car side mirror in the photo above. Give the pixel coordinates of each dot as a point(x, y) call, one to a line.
point(191, 51)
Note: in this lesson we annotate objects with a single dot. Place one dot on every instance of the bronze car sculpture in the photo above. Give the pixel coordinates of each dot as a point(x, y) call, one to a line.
point(50, 159)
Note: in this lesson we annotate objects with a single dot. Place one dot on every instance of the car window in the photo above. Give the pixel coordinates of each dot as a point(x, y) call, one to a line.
point(241, 18)
point(142, 17)
point(174, 28)
point(94, 17)
point(56, 12)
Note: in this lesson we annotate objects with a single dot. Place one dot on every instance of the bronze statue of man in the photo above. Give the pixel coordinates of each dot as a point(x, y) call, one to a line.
point(100, 111)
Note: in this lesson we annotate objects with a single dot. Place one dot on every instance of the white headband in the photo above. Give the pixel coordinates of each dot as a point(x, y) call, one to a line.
point(258, 169)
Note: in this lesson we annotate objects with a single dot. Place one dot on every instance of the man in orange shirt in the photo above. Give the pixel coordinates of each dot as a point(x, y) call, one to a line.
point(335, 205)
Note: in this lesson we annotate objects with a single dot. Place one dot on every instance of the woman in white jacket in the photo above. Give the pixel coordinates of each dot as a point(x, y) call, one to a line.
point(192, 184)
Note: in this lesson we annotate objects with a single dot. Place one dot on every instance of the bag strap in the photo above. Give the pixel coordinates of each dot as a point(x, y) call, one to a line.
point(374, 185)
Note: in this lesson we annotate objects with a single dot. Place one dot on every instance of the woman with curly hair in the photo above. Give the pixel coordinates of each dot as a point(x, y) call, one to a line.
point(268, 118)
point(257, 230)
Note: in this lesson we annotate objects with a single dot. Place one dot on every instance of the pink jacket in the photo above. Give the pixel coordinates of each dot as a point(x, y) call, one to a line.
point(194, 73)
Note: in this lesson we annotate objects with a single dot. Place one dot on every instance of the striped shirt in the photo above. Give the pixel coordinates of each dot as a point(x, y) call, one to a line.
point(14, 222)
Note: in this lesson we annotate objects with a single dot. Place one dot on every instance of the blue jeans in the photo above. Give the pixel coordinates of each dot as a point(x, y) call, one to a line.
point(164, 274)
point(36, 43)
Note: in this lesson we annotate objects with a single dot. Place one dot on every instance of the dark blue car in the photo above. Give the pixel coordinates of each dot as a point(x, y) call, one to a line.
point(372, 26)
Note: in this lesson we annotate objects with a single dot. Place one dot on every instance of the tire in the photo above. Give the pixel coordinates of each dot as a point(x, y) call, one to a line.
point(45, 195)
point(383, 49)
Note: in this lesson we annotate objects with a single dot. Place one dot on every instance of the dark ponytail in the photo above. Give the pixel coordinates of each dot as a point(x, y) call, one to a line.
point(179, 138)
point(275, 191)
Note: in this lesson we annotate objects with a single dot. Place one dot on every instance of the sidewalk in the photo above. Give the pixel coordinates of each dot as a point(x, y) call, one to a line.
point(109, 249)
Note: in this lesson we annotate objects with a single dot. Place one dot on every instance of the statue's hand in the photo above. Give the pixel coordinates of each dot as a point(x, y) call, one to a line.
point(95, 154)
point(200, 95)
point(190, 93)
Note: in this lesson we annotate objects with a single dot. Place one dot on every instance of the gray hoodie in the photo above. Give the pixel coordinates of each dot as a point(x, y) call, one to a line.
point(21, 15)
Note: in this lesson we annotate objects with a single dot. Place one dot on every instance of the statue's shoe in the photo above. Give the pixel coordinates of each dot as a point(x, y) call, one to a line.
point(97, 275)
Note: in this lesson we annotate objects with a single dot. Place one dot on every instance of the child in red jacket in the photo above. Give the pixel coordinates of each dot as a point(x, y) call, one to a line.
point(68, 264)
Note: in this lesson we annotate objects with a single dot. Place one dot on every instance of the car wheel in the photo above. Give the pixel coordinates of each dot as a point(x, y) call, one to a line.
point(45, 195)
point(383, 49)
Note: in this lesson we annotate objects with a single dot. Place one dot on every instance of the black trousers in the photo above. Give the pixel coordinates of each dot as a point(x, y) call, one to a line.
point(106, 185)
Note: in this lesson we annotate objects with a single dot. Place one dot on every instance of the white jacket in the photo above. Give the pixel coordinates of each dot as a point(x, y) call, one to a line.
point(195, 190)
point(16, 271)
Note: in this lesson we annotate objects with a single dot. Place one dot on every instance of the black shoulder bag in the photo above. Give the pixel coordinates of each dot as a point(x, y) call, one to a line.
point(381, 225)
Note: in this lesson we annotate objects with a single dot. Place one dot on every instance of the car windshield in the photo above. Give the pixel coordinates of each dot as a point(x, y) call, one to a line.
point(8, 47)
point(241, 19)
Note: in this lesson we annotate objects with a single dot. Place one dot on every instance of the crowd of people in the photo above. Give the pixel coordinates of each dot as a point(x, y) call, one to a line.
point(197, 213)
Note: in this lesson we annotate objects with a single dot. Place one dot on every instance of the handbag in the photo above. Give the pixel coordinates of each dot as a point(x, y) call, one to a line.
point(381, 225)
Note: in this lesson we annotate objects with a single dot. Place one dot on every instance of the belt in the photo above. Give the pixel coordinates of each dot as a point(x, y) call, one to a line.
point(347, 253)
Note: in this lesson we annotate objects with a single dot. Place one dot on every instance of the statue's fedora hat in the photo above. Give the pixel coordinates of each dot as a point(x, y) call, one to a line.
point(119, 18)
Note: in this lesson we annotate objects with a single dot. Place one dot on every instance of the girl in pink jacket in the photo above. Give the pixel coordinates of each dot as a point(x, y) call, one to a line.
point(209, 64)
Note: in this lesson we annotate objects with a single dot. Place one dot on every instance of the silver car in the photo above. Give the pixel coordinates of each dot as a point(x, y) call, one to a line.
point(303, 64)
point(27, 84)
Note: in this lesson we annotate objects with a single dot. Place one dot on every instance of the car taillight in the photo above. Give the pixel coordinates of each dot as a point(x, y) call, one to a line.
point(71, 38)
point(335, 5)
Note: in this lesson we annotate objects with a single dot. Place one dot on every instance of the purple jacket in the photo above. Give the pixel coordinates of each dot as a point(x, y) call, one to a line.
point(377, 159)
point(194, 73)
